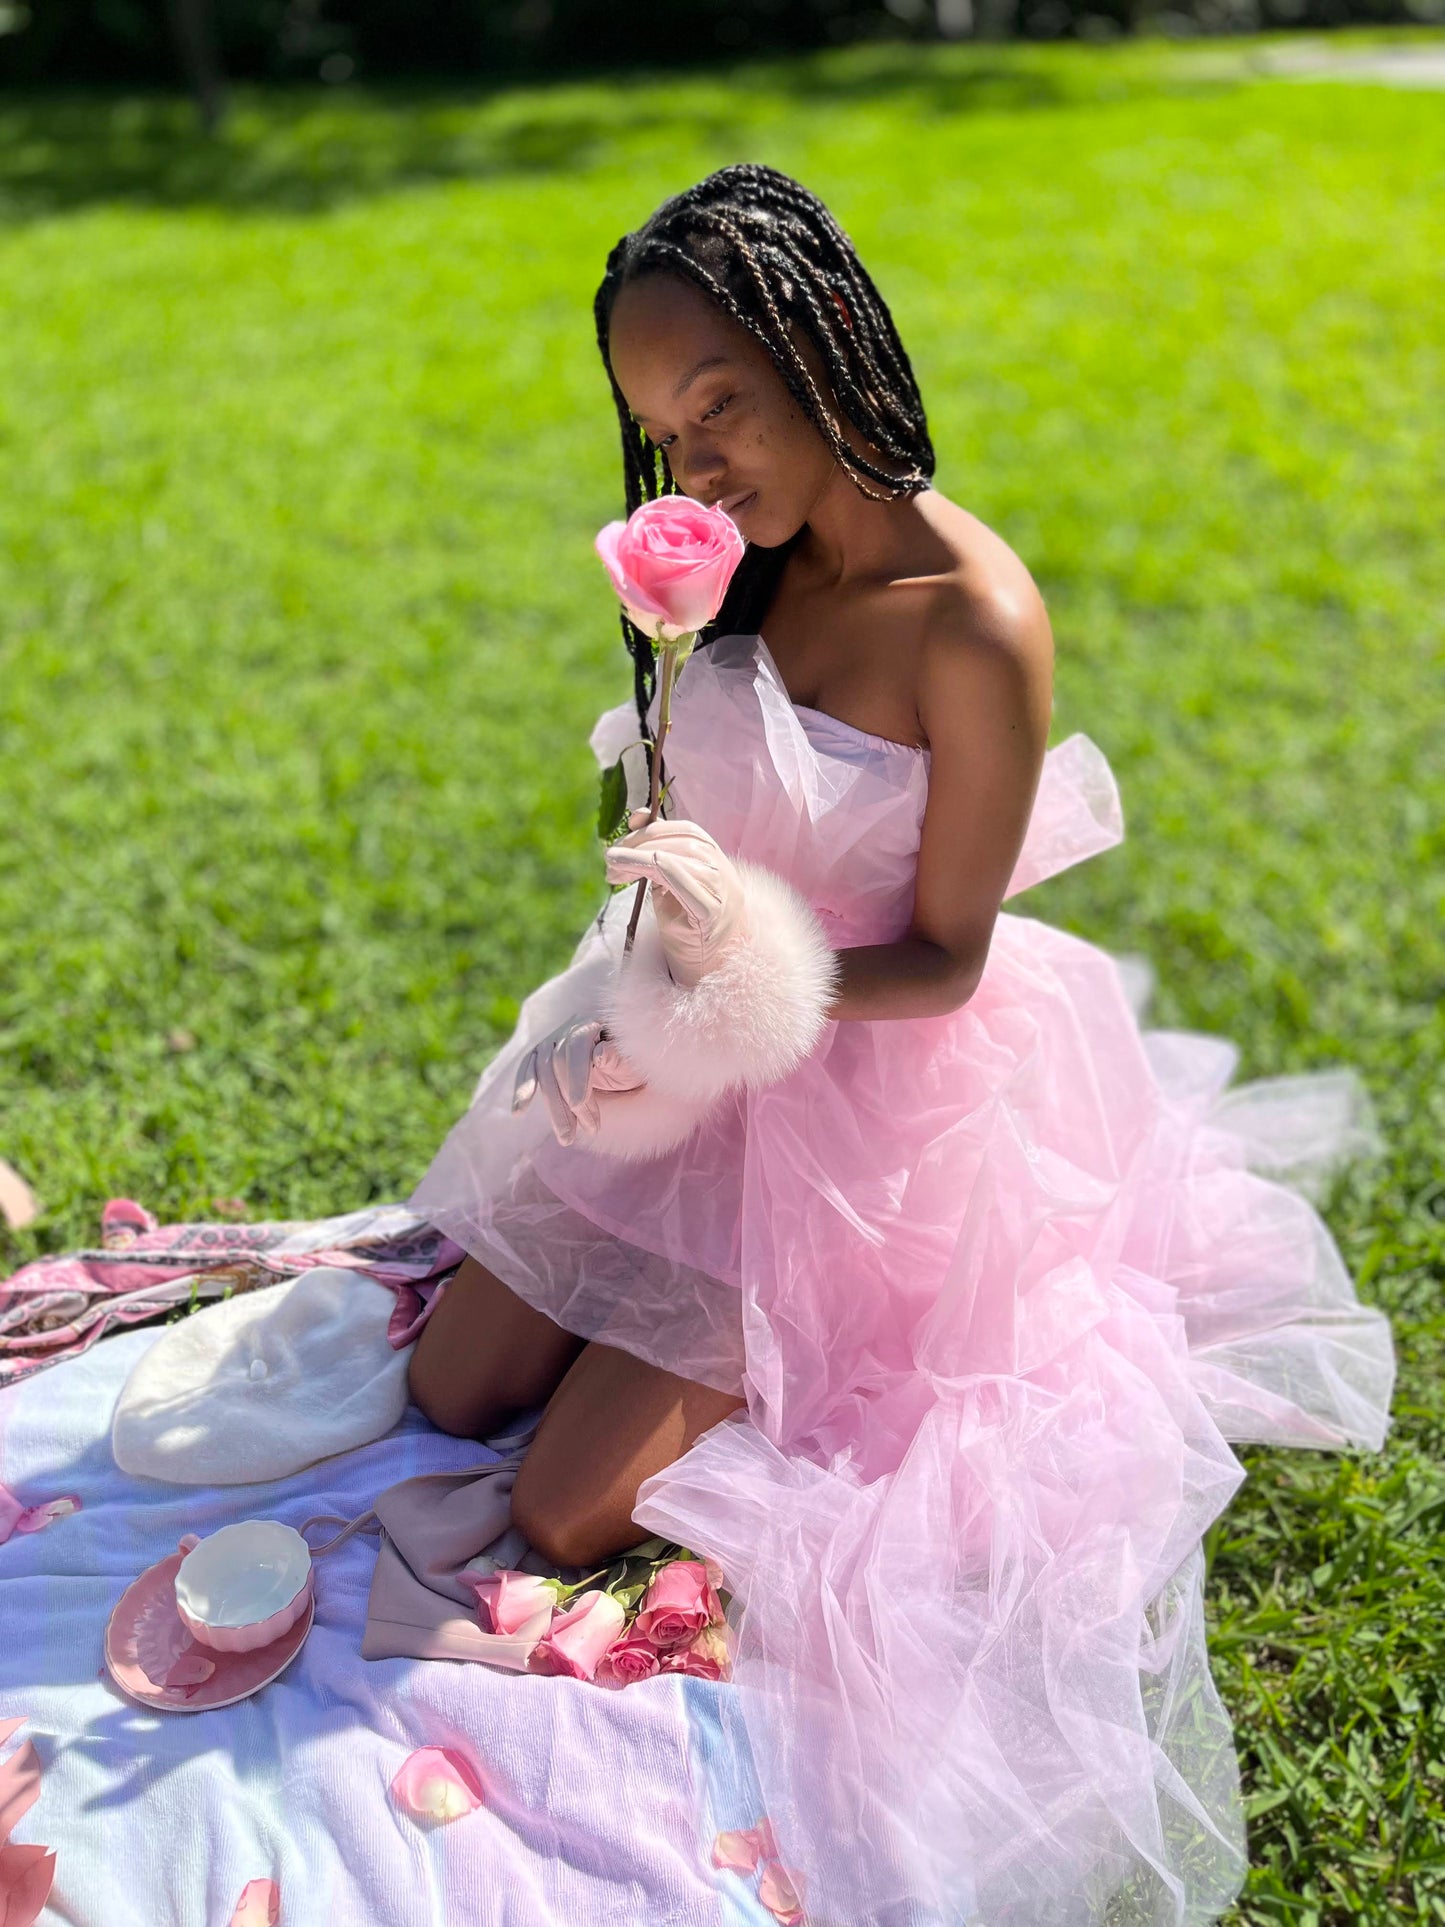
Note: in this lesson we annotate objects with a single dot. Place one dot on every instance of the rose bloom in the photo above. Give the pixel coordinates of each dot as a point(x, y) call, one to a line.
point(678, 1604)
point(671, 562)
point(708, 1655)
point(631, 1658)
point(576, 1639)
point(507, 1600)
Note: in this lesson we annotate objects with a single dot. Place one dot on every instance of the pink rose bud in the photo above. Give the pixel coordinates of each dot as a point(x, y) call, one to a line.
point(678, 1604)
point(507, 1600)
point(576, 1640)
point(671, 562)
point(631, 1658)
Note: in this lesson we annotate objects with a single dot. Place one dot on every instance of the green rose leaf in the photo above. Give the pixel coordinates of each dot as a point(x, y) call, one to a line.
point(612, 802)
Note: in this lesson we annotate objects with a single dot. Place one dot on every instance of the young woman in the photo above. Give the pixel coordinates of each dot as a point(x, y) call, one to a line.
point(935, 1341)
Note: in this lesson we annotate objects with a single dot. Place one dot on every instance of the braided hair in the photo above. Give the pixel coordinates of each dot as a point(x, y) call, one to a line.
point(768, 252)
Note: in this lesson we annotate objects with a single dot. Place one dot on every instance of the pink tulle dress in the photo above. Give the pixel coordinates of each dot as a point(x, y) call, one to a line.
point(1001, 1288)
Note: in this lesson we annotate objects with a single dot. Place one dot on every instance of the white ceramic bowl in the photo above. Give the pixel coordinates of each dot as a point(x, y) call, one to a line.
point(245, 1585)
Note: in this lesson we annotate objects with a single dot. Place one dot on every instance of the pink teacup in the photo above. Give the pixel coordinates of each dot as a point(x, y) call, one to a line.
point(243, 1586)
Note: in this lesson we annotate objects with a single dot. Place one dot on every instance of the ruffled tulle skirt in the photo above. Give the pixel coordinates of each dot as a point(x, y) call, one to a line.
point(1000, 1288)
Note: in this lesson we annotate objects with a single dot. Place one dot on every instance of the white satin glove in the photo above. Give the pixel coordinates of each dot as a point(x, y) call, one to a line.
point(697, 893)
point(570, 1066)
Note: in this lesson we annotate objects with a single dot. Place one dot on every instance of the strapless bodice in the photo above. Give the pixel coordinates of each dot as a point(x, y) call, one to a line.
point(837, 810)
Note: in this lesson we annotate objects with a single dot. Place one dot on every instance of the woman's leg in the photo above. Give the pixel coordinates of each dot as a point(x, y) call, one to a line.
point(484, 1354)
point(612, 1422)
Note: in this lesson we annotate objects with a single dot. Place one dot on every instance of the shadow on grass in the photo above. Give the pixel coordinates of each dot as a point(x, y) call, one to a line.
point(299, 149)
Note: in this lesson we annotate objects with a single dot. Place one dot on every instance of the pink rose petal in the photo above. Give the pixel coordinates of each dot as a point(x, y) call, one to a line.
point(437, 1783)
point(19, 1788)
point(11, 1512)
point(189, 1669)
point(35, 1518)
point(737, 1851)
point(778, 1889)
point(259, 1905)
point(27, 1874)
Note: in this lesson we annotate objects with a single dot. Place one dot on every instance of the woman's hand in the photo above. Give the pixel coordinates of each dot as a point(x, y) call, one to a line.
point(570, 1065)
point(697, 892)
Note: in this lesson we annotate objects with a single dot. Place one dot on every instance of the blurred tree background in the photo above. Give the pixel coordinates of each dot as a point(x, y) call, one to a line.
point(156, 41)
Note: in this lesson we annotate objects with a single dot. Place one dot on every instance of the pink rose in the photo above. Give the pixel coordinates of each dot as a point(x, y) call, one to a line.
point(679, 1603)
point(507, 1600)
point(631, 1658)
point(576, 1639)
point(708, 1655)
point(671, 562)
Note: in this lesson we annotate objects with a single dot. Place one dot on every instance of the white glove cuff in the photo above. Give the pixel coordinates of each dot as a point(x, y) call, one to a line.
point(751, 1020)
point(641, 1124)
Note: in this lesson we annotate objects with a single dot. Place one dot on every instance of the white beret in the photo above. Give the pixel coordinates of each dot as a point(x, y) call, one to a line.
point(264, 1384)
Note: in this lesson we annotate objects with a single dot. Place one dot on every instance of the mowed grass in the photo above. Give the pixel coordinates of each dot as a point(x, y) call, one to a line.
point(304, 441)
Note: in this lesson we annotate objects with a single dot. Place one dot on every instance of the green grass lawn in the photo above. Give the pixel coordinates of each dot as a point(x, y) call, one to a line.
point(304, 440)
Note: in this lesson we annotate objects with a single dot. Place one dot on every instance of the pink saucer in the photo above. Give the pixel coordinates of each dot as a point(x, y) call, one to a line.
point(154, 1659)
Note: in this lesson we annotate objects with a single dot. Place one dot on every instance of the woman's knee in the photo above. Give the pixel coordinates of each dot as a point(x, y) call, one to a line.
point(466, 1409)
point(484, 1355)
point(563, 1520)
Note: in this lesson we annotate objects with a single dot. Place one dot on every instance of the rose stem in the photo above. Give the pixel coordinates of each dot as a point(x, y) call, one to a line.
point(669, 666)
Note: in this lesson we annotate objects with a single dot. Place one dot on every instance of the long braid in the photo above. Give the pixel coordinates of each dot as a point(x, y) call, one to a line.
point(769, 253)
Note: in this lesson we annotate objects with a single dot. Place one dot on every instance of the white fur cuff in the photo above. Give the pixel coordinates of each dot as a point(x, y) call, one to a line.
point(750, 1021)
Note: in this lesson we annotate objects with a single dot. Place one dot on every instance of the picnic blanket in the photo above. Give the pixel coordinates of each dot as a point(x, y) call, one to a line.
point(596, 1805)
point(143, 1269)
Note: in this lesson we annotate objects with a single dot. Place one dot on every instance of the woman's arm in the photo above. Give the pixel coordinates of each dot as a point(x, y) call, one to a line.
point(985, 698)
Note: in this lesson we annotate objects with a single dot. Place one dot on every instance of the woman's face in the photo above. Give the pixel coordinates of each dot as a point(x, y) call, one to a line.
point(706, 391)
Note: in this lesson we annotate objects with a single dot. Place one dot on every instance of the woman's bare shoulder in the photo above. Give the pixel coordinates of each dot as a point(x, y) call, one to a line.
point(985, 600)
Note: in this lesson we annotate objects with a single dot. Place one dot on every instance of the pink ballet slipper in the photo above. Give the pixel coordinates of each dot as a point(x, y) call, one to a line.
point(729, 980)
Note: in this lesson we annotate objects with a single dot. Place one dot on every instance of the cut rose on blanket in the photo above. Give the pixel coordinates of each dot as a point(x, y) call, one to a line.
point(679, 1603)
point(707, 1655)
point(437, 1783)
point(506, 1601)
point(630, 1658)
point(577, 1639)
